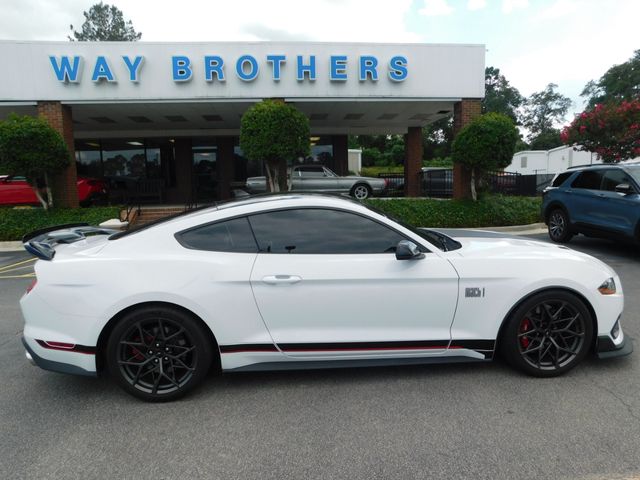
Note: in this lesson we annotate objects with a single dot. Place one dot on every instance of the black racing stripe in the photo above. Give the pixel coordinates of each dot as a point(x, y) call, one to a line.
point(480, 345)
point(248, 347)
point(76, 348)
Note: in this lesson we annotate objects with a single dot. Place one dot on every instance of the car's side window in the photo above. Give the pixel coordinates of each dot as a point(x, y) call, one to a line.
point(321, 231)
point(307, 172)
point(589, 179)
point(614, 177)
point(560, 179)
point(227, 236)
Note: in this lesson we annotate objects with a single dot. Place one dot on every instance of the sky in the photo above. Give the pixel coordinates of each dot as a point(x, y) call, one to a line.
point(532, 42)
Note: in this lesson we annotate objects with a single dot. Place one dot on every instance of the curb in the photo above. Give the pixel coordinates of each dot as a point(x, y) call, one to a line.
point(11, 246)
point(531, 229)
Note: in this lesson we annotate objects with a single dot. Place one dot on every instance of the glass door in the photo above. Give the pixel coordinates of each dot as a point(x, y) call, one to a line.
point(205, 179)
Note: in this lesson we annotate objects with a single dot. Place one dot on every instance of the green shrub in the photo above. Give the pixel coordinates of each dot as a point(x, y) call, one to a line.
point(374, 171)
point(16, 222)
point(489, 211)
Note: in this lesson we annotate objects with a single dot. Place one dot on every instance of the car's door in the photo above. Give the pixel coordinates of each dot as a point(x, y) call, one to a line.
point(618, 212)
point(328, 284)
point(312, 178)
point(584, 201)
point(16, 191)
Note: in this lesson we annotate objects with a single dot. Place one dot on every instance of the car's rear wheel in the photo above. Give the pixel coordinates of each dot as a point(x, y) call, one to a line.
point(558, 225)
point(158, 353)
point(549, 334)
point(361, 191)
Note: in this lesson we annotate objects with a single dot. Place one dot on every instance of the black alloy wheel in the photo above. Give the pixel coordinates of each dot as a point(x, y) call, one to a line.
point(548, 334)
point(558, 226)
point(158, 354)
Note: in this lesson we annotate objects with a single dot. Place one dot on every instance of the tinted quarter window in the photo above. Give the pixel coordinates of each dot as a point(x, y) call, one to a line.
point(590, 179)
point(230, 236)
point(320, 231)
point(613, 178)
point(560, 179)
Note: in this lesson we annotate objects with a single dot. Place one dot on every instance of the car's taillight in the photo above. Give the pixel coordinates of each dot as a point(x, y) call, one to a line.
point(32, 285)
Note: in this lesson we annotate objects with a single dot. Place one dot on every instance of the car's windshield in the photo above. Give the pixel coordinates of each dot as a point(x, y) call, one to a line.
point(437, 239)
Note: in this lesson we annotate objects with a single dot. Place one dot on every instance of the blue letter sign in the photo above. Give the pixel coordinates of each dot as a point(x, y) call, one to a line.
point(181, 68)
point(133, 67)
point(66, 71)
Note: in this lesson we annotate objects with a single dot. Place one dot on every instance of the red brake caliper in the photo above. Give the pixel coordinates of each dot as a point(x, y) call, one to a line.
point(524, 327)
point(137, 353)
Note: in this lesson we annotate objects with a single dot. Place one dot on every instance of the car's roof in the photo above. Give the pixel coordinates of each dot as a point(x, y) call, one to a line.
point(601, 166)
point(267, 200)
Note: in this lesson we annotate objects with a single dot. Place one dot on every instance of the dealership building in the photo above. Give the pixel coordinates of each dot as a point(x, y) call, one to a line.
point(169, 113)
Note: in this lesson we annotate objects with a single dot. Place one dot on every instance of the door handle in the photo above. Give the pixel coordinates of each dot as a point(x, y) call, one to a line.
point(281, 279)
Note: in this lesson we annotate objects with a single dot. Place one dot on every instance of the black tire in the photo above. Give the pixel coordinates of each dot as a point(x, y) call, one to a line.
point(360, 191)
point(558, 226)
point(548, 335)
point(158, 354)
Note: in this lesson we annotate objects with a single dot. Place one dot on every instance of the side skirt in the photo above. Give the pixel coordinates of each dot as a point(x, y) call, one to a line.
point(374, 362)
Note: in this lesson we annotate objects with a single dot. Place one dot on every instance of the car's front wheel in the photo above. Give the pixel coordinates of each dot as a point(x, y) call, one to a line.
point(158, 353)
point(558, 225)
point(549, 334)
point(361, 191)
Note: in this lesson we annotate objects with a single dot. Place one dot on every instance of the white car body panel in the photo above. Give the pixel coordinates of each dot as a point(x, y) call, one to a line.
point(375, 297)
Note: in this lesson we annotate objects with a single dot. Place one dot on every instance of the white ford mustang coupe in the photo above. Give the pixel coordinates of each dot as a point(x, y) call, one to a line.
point(306, 281)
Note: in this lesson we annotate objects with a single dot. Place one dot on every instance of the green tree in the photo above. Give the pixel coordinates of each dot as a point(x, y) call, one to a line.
point(610, 130)
point(620, 82)
point(487, 143)
point(276, 133)
point(105, 23)
point(29, 147)
point(437, 138)
point(500, 96)
point(542, 112)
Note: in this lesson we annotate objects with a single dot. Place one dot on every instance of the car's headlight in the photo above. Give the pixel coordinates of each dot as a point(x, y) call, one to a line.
point(608, 287)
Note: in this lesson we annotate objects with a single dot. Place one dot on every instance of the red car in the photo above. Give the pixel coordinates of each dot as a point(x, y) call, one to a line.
point(16, 191)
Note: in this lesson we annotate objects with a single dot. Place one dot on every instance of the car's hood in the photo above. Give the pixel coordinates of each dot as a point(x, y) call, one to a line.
point(487, 244)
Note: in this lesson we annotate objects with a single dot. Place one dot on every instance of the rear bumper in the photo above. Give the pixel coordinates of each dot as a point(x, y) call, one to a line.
point(607, 349)
point(53, 365)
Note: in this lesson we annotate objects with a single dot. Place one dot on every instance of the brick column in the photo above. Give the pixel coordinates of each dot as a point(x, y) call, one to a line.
point(224, 167)
point(64, 185)
point(413, 162)
point(341, 154)
point(463, 113)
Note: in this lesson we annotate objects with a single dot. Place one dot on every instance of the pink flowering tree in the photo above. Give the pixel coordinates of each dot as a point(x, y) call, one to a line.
point(610, 130)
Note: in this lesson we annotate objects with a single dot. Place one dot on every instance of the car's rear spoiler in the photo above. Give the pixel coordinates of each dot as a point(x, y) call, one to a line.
point(41, 242)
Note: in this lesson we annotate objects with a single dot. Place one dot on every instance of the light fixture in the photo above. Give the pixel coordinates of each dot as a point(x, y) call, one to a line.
point(171, 140)
point(137, 144)
point(93, 144)
point(314, 139)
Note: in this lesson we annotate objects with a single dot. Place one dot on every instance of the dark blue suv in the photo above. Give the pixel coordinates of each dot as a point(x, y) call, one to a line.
point(597, 201)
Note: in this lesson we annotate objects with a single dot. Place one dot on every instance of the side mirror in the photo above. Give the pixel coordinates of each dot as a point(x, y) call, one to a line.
point(406, 250)
point(625, 189)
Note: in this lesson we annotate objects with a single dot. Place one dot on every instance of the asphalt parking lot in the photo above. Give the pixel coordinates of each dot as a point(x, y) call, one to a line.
point(455, 421)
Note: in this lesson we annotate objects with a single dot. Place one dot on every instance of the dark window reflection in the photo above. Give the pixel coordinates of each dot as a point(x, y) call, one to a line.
point(230, 236)
point(318, 231)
